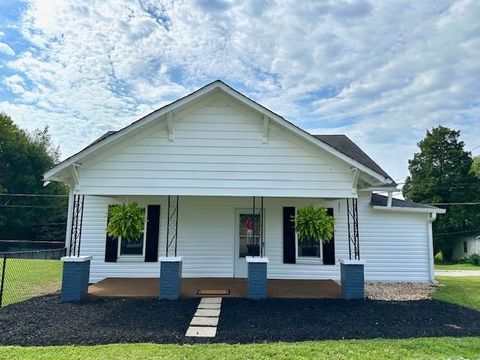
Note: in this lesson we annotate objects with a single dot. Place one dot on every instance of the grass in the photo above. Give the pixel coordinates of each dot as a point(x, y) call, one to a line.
point(422, 348)
point(27, 278)
point(464, 291)
point(456, 266)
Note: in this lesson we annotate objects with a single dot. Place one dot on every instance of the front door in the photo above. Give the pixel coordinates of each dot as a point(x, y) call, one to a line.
point(248, 231)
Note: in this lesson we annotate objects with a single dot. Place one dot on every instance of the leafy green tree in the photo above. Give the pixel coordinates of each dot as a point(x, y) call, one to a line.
point(24, 157)
point(476, 166)
point(440, 173)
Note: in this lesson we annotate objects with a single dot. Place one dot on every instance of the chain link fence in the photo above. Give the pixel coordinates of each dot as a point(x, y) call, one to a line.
point(27, 274)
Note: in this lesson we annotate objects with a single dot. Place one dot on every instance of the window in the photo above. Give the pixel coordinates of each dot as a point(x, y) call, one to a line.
point(465, 247)
point(133, 247)
point(309, 248)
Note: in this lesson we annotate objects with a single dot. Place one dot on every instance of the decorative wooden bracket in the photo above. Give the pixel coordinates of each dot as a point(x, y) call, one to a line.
point(356, 174)
point(266, 122)
point(171, 126)
point(76, 177)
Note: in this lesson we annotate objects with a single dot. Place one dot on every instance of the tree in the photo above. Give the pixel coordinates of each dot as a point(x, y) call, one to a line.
point(476, 166)
point(440, 173)
point(24, 157)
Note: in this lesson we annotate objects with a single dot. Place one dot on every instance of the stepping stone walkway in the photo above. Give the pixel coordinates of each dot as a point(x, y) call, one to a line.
point(205, 320)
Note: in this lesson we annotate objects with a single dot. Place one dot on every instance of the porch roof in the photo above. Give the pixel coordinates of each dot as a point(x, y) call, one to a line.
point(381, 201)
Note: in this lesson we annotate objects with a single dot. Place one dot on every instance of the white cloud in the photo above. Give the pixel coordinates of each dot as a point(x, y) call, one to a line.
point(15, 84)
point(381, 72)
point(6, 49)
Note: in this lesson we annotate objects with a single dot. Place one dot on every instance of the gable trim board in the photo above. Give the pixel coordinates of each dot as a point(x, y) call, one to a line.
point(214, 86)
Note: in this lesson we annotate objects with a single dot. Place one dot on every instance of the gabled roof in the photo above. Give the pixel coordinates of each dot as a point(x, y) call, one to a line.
point(378, 200)
point(348, 147)
point(343, 149)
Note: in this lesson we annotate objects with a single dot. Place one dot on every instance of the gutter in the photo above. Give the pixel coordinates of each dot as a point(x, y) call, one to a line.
point(410, 209)
point(431, 218)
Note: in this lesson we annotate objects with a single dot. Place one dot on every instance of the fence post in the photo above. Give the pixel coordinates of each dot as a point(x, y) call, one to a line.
point(3, 277)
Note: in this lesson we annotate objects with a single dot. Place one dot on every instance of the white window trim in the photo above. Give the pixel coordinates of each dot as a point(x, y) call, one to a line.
point(308, 260)
point(127, 257)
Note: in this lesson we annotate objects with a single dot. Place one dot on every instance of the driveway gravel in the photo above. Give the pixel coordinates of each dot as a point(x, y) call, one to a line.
point(398, 291)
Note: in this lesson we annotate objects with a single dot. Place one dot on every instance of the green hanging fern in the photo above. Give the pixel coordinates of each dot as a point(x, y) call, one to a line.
point(126, 221)
point(313, 223)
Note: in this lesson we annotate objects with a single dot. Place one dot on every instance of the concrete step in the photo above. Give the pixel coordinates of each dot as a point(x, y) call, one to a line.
point(212, 300)
point(204, 321)
point(208, 312)
point(209, 306)
point(201, 331)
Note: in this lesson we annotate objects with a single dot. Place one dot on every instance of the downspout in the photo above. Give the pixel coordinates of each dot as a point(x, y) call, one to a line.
point(431, 218)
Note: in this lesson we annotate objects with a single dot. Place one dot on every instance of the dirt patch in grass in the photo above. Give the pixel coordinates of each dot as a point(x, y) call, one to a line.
point(399, 291)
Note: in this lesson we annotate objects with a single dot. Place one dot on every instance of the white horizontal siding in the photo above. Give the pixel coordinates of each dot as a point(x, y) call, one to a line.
point(473, 247)
point(218, 149)
point(395, 246)
point(93, 242)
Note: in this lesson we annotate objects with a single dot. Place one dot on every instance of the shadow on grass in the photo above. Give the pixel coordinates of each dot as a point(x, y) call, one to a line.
point(46, 321)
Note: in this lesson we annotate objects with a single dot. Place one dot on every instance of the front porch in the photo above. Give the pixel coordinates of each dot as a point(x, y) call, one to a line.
point(276, 288)
point(207, 243)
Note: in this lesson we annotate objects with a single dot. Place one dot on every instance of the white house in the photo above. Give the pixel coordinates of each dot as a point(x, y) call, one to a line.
point(206, 164)
point(467, 247)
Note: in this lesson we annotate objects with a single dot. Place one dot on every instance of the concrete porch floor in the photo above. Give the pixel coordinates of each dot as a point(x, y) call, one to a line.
point(149, 288)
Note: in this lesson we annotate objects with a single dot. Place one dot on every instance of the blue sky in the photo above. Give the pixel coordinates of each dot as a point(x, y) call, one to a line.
point(380, 72)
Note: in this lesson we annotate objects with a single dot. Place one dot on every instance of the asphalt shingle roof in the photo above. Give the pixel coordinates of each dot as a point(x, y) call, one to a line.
point(346, 146)
point(381, 200)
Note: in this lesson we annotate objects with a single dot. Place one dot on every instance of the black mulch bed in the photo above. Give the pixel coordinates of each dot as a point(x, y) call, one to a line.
point(246, 321)
point(46, 321)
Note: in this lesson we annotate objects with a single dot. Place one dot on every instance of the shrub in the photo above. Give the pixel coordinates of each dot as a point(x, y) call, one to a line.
point(439, 258)
point(474, 259)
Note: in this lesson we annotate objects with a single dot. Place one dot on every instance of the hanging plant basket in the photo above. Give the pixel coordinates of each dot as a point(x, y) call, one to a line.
point(126, 221)
point(313, 224)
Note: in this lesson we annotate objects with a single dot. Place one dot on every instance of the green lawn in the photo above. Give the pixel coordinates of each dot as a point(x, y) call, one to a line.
point(423, 348)
point(26, 278)
point(463, 291)
point(455, 266)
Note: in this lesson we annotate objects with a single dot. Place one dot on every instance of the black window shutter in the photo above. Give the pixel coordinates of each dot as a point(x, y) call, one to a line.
point(329, 248)
point(111, 248)
point(153, 230)
point(288, 235)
